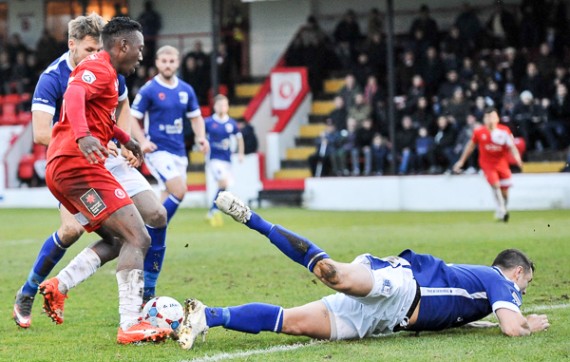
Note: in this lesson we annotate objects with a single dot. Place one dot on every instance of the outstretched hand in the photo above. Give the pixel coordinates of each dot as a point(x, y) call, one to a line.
point(537, 322)
point(92, 149)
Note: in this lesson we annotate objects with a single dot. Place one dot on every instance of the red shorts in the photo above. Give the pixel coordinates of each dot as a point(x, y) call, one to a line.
point(88, 191)
point(500, 173)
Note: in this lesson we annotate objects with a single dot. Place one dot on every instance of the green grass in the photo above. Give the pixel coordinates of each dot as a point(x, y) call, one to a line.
point(233, 265)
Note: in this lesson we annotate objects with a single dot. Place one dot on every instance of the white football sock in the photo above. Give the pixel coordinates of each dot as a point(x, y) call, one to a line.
point(501, 207)
point(131, 284)
point(79, 269)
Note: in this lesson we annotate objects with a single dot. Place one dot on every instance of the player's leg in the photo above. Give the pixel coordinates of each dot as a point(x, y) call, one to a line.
point(53, 249)
point(127, 226)
point(296, 247)
point(310, 320)
point(221, 171)
point(492, 176)
point(154, 216)
point(505, 182)
point(170, 172)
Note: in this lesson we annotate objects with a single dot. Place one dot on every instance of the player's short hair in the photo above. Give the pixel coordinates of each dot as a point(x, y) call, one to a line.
point(82, 26)
point(167, 49)
point(119, 27)
point(220, 97)
point(511, 258)
point(490, 109)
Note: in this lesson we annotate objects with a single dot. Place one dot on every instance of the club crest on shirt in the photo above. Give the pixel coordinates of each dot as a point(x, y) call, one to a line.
point(161, 96)
point(93, 202)
point(88, 77)
point(183, 97)
point(229, 128)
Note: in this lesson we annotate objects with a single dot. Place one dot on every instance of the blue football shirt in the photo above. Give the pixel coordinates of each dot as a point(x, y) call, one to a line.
point(163, 108)
point(219, 132)
point(457, 294)
point(52, 84)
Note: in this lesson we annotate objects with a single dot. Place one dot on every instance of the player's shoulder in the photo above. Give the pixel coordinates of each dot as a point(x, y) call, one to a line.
point(503, 127)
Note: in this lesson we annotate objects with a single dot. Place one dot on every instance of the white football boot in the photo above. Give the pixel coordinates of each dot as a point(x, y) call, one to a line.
point(231, 205)
point(194, 323)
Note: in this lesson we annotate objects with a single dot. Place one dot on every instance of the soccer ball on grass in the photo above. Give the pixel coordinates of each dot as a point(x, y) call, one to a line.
point(163, 312)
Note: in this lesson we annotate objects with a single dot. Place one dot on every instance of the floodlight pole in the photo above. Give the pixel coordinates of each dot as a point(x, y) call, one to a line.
point(216, 15)
point(391, 81)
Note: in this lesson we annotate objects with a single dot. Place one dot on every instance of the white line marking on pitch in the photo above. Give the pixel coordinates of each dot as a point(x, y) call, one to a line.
point(242, 354)
point(292, 347)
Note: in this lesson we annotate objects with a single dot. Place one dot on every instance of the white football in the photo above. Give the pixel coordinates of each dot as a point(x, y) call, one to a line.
point(163, 312)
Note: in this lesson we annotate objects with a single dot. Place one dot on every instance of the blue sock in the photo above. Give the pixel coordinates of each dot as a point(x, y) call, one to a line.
point(153, 259)
point(50, 254)
point(171, 205)
point(296, 247)
point(214, 206)
point(249, 318)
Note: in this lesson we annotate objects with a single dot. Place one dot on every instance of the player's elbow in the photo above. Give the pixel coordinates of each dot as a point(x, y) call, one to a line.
point(42, 138)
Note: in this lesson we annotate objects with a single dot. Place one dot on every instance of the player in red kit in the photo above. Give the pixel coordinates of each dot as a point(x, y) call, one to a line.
point(495, 141)
point(77, 176)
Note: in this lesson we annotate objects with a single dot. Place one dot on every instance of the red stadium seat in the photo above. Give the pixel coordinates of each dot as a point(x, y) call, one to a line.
point(26, 169)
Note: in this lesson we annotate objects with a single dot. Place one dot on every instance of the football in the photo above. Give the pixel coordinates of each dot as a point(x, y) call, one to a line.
point(163, 312)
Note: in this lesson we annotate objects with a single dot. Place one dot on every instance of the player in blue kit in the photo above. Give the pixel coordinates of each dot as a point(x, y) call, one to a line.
point(375, 296)
point(163, 103)
point(220, 129)
point(84, 40)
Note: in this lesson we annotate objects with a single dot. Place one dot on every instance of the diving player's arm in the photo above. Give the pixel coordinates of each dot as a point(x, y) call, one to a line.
point(199, 128)
point(467, 151)
point(514, 324)
point(41, 126)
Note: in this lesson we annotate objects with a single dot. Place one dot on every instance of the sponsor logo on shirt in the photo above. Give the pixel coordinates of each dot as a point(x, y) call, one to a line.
point(516, 299)
point(93, 202)
point(88, 77)
point(40, 100)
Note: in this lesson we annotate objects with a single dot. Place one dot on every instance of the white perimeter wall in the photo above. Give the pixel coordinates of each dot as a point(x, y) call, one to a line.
point(435, 193)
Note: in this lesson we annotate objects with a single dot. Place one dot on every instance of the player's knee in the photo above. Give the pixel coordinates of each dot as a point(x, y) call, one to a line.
point(156, 217)
point(70, 233)
point(330, 274)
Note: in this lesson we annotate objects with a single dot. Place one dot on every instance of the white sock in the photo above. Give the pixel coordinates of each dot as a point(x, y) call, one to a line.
point(131, 284)
point(501, 207)
point(79, 269)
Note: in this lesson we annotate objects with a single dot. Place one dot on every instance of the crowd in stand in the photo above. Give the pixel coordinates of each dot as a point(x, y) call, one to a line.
point(517, 60)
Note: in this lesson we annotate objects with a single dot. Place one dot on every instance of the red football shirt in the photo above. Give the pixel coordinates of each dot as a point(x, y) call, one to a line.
point(99, 79)
point(493, 145)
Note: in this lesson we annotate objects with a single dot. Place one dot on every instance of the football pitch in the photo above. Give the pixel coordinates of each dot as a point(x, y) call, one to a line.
point(233, 265)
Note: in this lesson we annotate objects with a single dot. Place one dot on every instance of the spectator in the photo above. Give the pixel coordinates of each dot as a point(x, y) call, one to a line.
point(454, 44)
point(363, 144)
point(347, 144)
point(202, 59)
point(466, 73)
point(405, 71)
point(249, 137)
point(415, 92)
point(5, 71)
point(349, 90)
point(151, 22)
point(559, 116)
point(424, 151)
point(324, 161)
point(493, 93)
point(380, 153)
point(530, 123)
point(348, 31)
point(375, 47)
point(15, 46)
point(19, 80)
point(372, 92)
point(478, 110)
point(530, 32)
point(444, 144)
point(360, 110)
point(557, 41)
point(49, 49)
point(513, 67)
point(405, 143)
point(427, 25)
point(423, 116)
point(432, 71)
point(449, 86)
point(375, 23)
point(361, 69)
point(120, 10)
point(458, 108)
point(197, 78)
point(545, 62)
point(469, 26)
point(502, 27)
point(339, 114)
point(533, 81)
